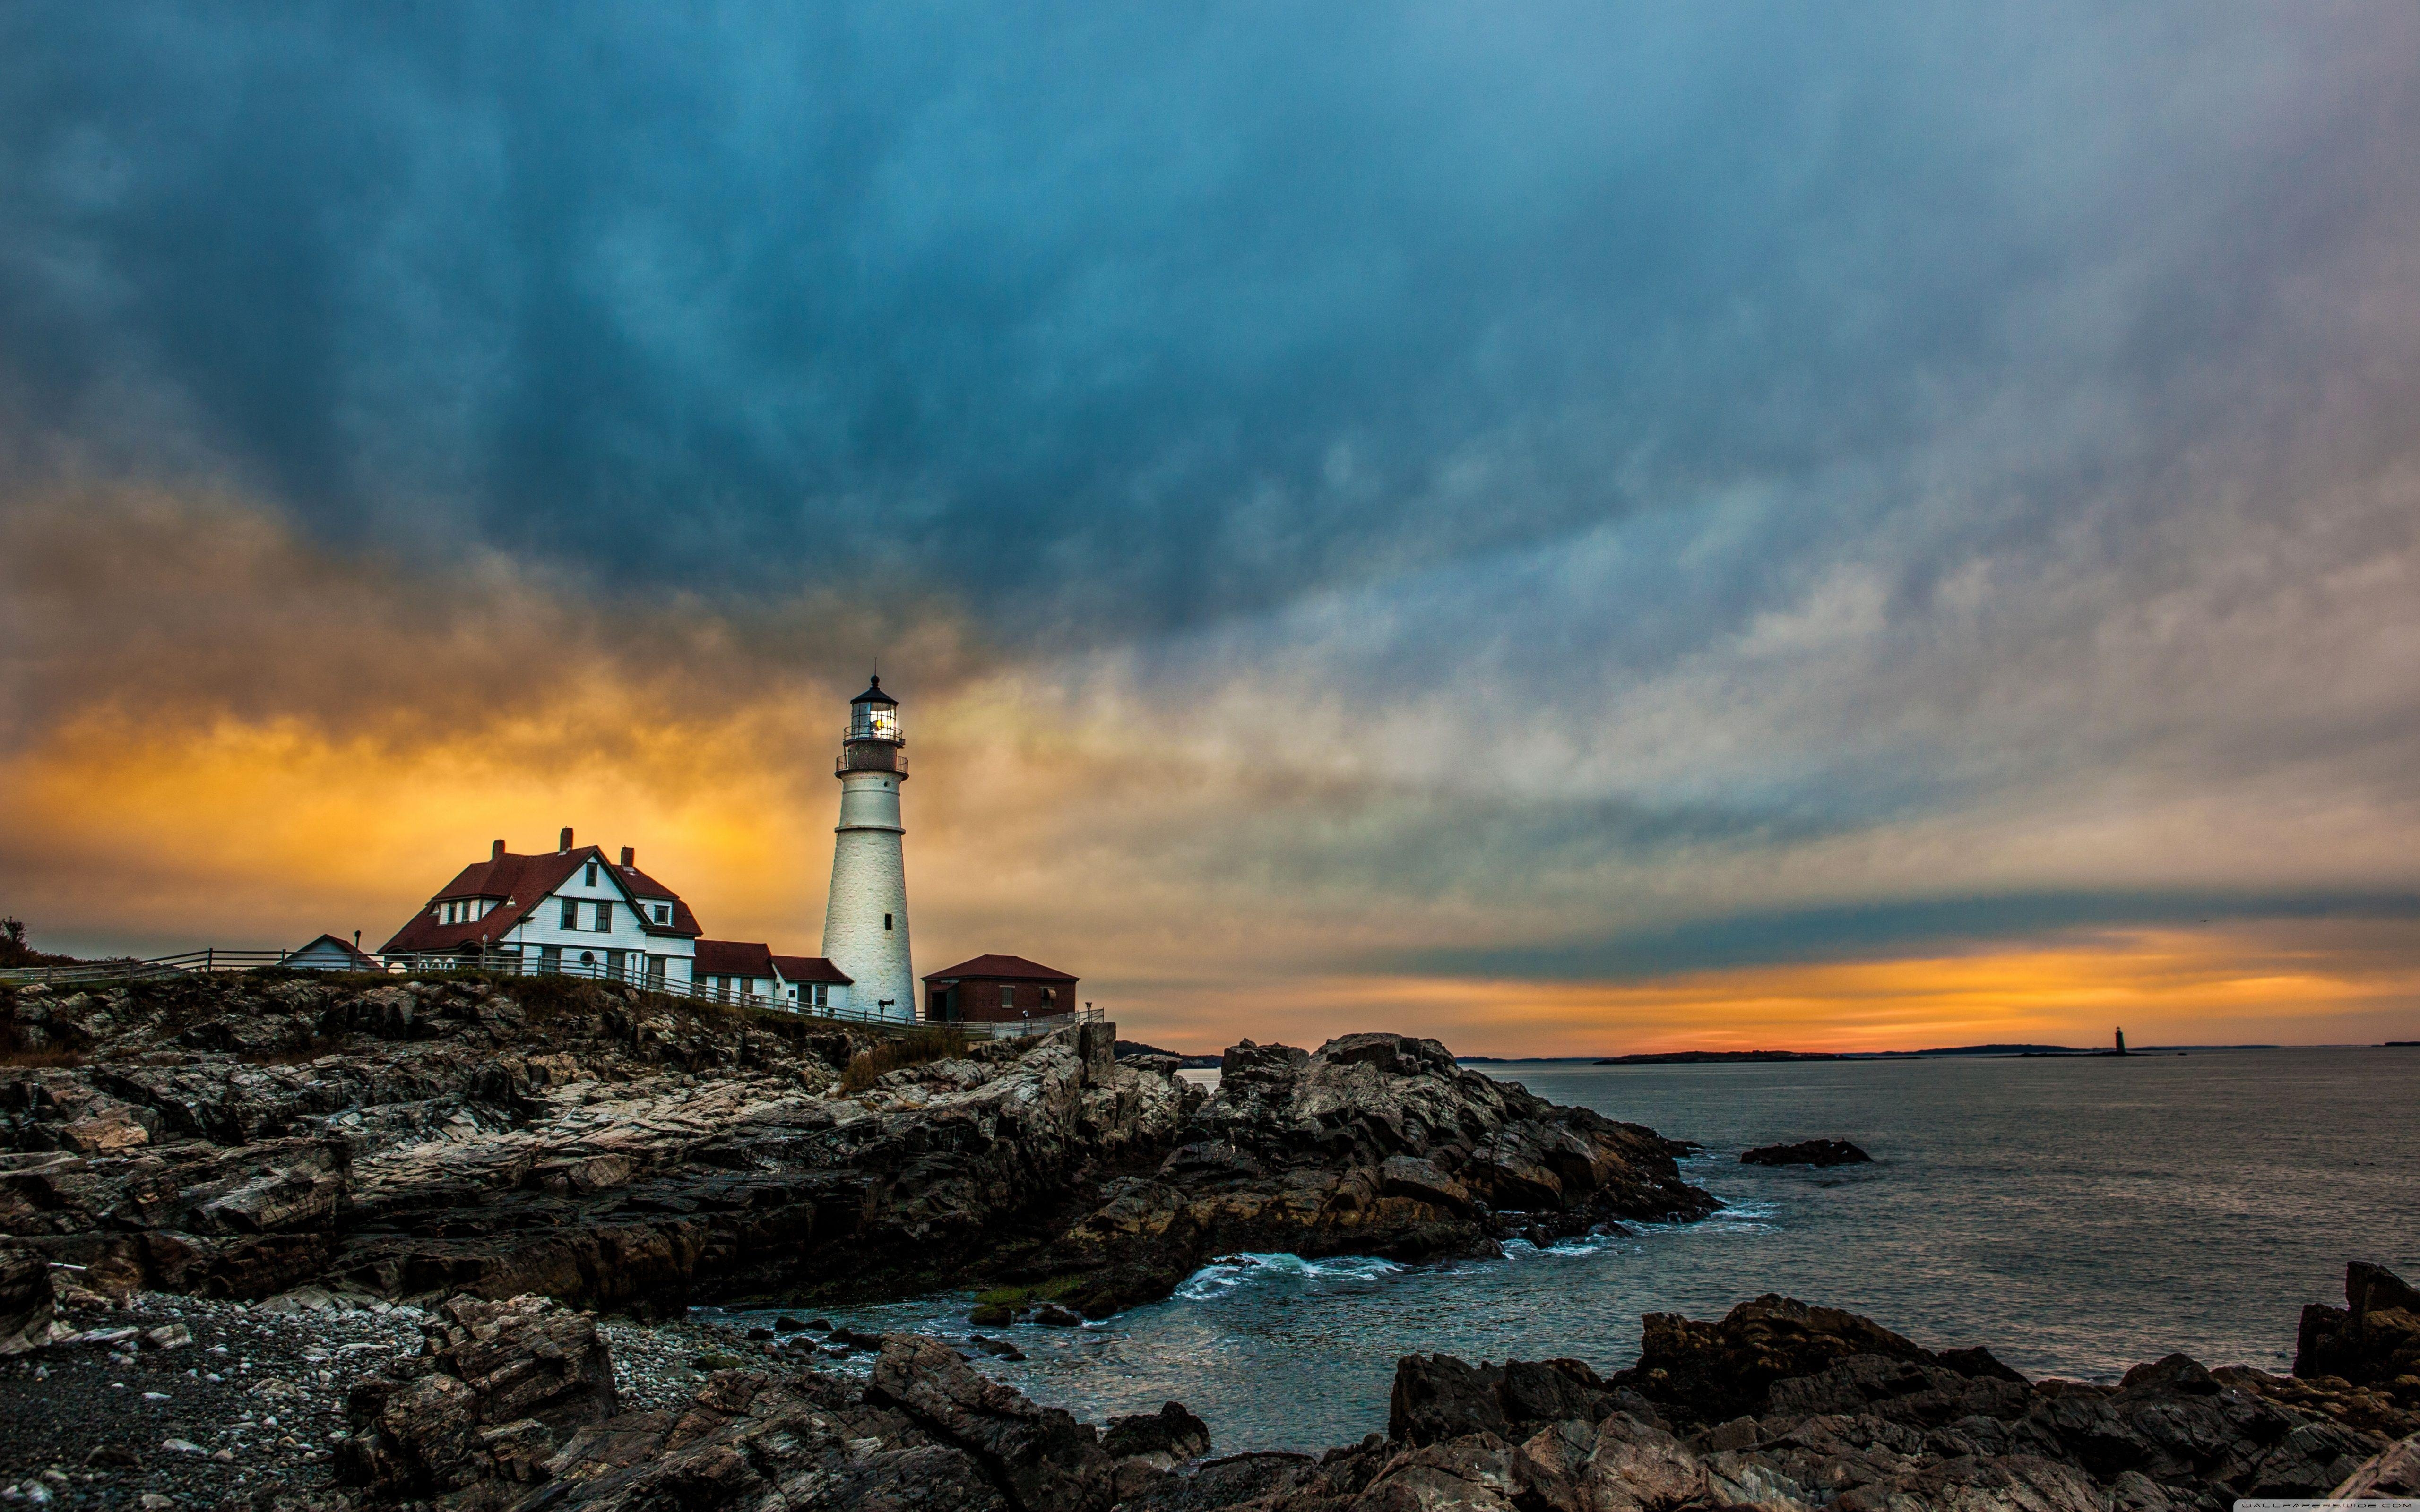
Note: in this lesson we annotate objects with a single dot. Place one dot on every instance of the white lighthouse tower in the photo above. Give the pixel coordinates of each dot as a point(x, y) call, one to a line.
point(865, 915)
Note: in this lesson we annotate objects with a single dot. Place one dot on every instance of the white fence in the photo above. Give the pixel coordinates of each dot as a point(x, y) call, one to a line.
point(212, 961)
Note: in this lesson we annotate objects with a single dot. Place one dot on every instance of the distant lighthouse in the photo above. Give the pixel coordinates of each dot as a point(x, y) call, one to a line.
point(865, 915)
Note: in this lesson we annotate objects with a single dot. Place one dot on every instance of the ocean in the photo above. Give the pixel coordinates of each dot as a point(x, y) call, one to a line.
point(2076, 1216)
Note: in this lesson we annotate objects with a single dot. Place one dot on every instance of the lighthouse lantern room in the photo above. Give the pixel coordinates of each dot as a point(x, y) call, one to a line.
point(865, 913)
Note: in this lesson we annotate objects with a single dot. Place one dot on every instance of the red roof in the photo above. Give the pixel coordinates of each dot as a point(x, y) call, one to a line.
point(523, 882)
point(731, 958)
point(809, 968)
point(1000, 969)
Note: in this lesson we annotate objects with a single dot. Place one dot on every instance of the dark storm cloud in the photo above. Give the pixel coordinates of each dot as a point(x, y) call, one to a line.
point(1123, 319)
point(1911, 926)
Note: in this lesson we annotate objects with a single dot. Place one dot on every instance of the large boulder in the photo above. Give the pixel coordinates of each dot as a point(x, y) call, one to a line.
point(1710, 1372)
point(1437, 1397)
point(498, 1387)
point(748, 1441)
point(1041, 1454)
point(1808, 1152)
point(2374, 1339)
point(1163, 1439)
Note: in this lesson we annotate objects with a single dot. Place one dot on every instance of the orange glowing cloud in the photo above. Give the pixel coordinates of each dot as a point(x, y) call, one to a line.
point(215, 733)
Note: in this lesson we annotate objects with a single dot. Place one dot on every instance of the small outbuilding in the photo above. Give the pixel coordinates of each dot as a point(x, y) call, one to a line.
point(329, 954)
point(810, 981)
point(998, 989)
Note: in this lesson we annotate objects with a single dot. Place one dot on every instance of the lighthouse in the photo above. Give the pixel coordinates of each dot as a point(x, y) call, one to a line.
point(865, 915)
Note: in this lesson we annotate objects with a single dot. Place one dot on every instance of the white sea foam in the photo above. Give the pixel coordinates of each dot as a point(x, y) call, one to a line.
point(1230, 1271)
point(1749, 1217)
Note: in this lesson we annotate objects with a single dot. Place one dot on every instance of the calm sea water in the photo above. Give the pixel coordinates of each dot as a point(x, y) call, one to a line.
point(2076, 1216)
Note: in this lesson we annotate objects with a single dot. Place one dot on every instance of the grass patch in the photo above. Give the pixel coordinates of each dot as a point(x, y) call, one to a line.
point(1027, 1296)
point(33, 1059)
point(941, 1042)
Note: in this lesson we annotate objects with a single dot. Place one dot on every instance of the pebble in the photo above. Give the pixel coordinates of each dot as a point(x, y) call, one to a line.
point(195, 1454)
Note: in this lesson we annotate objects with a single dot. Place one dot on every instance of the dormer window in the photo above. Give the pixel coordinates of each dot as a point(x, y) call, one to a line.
point(663, 913)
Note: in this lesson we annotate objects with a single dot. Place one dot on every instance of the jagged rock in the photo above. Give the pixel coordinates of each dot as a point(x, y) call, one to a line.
point(26, 1302)
point(497, 1387)
point(2374, 1340)
point(1808, 1152)
point(1165, 1438)
point(1041, 1456)
point(2392, 1472)
point(1263, 1479)
point(1707, 1373)
point(2373, 1408)
point(1437, 1397)
point(1837, 1405)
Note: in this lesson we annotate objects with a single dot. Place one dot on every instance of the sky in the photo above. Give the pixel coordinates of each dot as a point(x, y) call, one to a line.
point(1585, 529)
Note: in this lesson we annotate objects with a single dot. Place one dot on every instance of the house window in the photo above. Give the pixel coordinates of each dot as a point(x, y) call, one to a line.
point(550, 958)
point(1008, 1000)
point(823, 995)
point(570, 914)
point(1049, 997)
point(592, 874)
point(655, 971)
point(604, 919)
point(614, 964)
point(663, 913)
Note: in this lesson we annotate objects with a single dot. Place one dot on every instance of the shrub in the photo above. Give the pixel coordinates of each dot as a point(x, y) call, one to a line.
point(14, 951)
point(35, 1059)
point(940, 1043)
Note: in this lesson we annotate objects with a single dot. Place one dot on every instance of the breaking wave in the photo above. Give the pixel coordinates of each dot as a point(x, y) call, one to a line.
point(1228, 1272)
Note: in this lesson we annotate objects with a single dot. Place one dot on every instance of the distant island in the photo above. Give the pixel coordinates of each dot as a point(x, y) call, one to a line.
point(1697, 1057)
point(1692, 1058)
point(1128, 1049)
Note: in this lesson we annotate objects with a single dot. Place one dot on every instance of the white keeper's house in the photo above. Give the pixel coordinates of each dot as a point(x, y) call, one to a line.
point(574, 911)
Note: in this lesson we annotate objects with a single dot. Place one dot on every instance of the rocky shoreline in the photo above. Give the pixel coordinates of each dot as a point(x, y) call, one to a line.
point(314, 1403)
point(305, 1244)
point(236, 1138)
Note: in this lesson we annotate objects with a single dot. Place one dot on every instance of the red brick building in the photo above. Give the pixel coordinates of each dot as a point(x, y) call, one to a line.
point(998, 989)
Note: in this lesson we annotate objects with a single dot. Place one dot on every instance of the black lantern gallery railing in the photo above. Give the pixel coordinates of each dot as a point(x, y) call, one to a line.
point(870, 757)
